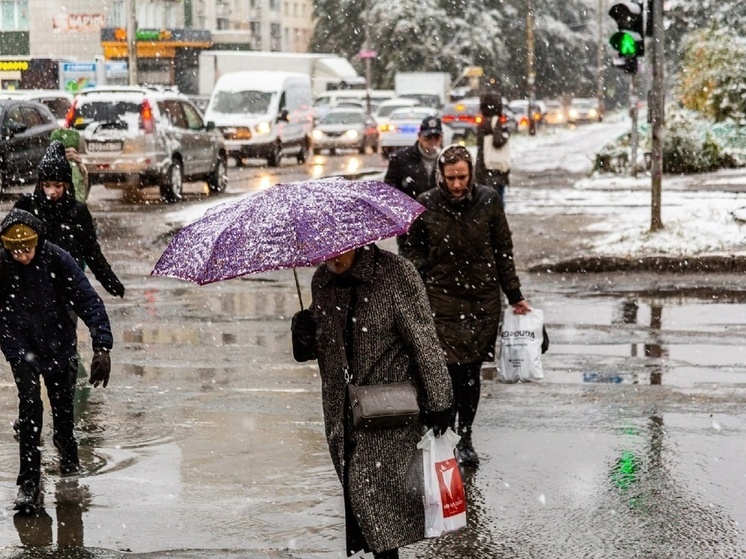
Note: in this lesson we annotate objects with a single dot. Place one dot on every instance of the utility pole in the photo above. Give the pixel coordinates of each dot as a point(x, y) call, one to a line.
point(132, 43)
point(531, 70)
point(600, 59)
point(657, 116)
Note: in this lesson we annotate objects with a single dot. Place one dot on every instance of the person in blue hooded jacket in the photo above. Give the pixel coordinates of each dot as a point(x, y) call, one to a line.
point(41, 288)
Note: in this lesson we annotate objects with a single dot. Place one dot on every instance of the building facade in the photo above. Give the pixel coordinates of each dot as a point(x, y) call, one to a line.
point(170, 34)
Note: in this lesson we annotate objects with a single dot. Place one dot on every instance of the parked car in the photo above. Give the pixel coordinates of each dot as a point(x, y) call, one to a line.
point(463, 116)
point(584, 110)
point(58, 102)
point(25, 127)
point(555, 114)
point(404, 126)
point(140, 136)
point(345, 128)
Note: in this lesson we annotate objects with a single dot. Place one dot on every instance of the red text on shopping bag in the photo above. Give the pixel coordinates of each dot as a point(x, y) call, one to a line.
point(451, 487)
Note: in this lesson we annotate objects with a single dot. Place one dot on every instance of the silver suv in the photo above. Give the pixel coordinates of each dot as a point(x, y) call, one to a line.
point(140, 136)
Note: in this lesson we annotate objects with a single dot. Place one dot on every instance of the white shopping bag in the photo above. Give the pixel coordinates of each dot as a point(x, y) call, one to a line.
point(520, 346)
point(445, 499)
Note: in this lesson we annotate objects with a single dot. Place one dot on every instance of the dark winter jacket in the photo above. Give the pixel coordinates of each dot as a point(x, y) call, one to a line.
point(36, 301)
point(408, 173)
point(69, 224)
point(499, 136)
point(390, 338)
point(464, 252)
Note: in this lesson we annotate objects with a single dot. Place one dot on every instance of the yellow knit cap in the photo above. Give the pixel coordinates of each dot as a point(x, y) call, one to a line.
point(19, 236)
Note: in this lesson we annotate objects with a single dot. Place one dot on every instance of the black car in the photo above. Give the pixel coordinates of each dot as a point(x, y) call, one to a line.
point(25, 127)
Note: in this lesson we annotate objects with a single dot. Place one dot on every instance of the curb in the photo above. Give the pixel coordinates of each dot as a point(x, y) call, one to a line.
point(669, 264)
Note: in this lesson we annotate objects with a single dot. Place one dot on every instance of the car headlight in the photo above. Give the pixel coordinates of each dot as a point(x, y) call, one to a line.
point(352, 134)
point(317, 134)
point(573, 113)
point(592, 112)
point(263, 128)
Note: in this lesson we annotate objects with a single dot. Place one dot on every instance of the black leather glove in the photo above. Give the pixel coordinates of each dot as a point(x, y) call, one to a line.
point(100, 367)
point(439, 421)
point(304, 326)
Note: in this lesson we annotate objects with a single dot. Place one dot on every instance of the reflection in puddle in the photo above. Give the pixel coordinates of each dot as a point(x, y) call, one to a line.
point(665, 340)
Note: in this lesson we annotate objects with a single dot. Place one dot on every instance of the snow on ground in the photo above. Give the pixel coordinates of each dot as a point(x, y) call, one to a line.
point(695, 221)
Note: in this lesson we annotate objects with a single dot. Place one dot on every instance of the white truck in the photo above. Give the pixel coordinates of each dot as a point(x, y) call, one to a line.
point(324, 69)
point(430, 88)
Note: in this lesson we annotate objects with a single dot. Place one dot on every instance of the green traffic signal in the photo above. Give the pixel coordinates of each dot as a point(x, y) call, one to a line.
point(626, 43)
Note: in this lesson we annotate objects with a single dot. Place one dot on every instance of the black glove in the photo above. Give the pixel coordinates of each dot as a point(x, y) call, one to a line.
point(115, 288)
point(439, 421)
point(100, 367)
point(304, 326)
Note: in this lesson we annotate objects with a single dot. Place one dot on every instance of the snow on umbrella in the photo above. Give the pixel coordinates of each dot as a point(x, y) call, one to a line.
point(286, 226)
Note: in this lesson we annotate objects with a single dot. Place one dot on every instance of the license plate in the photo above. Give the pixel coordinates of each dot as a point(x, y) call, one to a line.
point(104, 147)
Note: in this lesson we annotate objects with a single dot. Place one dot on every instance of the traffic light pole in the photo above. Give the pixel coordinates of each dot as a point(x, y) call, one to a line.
point(634, 136)
point(658, 98)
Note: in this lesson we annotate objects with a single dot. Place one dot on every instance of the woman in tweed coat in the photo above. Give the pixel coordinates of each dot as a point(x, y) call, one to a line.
point(389, 337)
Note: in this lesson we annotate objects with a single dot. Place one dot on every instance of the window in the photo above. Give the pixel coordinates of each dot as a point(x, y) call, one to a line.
point(274, 5)
point(192, 116)
point(15, 116)
point(256, 34)
point(275, 37)
point(14, 15)
point(32, 116)
point(172, 111)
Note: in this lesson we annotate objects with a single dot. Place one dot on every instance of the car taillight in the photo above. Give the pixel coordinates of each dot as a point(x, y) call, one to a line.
point(146, 117)
point(478, 119)
point(70, 114)
point(447, 118)
point(503, 119)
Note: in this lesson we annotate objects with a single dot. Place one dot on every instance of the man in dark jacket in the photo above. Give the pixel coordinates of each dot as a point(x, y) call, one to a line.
point(67, 222)
point(412, 169)
point(40, 286)
point(463, 249)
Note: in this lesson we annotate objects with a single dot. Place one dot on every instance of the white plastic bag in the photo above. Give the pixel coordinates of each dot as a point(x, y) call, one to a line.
point(445, 499)
point(495, 158)
point(520, 346)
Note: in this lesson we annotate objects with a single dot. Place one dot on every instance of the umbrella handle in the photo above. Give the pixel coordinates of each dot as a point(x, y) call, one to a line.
point(297, 286)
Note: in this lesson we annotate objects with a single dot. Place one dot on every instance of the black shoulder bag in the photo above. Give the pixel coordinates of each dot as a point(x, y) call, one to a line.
point(376, 406)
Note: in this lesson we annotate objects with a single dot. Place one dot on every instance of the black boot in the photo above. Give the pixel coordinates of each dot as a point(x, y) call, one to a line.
point(28, 499)
point(17, 429)
point(465, 453)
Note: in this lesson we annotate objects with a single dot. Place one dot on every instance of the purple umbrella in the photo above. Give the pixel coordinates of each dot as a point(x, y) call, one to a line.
point(286, 226)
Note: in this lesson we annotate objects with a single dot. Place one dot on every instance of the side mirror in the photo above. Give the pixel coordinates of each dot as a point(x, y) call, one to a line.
point(210, 126)
point(284, 116)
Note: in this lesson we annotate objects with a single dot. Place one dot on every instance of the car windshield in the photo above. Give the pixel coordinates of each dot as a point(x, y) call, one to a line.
point(410, 115)
point(342, 118)
point(249, 102)
point(385, 111)
point(583, 104)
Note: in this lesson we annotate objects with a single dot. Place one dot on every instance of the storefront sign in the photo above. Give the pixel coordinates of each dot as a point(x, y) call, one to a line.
point(78, 23)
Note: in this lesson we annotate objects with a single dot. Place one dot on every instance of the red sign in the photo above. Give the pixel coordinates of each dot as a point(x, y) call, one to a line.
point(367, 54)
point(451, 488)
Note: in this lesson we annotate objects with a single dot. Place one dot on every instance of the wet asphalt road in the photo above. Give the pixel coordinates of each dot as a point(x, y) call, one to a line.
point(208, 442)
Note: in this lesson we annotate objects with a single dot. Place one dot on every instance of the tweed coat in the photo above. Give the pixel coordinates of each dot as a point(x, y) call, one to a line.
point(390, 337)
point(464, 251)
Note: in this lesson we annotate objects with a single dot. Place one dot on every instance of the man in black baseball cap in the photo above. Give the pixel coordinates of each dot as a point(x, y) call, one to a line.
point(412, 169)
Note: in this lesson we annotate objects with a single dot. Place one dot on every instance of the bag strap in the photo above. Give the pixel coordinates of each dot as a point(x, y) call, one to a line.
point(340, 337)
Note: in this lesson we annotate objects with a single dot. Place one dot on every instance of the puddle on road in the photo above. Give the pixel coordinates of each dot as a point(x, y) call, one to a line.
point(647, 339)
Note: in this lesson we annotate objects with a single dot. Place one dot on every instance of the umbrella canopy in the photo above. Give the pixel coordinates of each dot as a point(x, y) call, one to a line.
point(286, 226)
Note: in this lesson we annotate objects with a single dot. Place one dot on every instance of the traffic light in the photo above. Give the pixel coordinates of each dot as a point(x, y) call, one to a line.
point(628, 41)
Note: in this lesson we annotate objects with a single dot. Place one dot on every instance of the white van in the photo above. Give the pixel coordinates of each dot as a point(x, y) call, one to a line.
point(263, 114)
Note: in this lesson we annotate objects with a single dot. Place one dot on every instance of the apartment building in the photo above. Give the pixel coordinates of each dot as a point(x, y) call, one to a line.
point(268, 25)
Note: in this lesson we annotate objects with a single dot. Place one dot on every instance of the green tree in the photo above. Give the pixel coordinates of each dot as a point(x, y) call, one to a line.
point(712, 79)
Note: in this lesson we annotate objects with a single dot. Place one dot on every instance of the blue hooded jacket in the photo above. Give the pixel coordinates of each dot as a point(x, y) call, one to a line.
point(38, 302)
